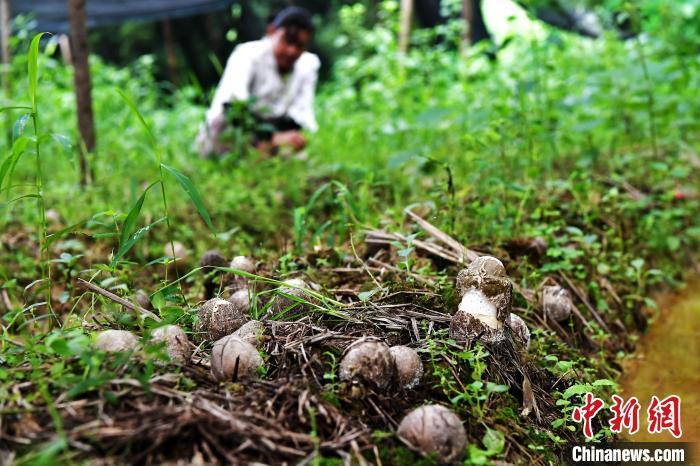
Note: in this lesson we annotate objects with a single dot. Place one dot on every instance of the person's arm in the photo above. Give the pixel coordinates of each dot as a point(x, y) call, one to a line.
point(302, 108)
point(234, 84)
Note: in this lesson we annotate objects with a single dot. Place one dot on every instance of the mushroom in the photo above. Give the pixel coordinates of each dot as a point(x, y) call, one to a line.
point(143, 300)
point(251, 332)
point(233, 358)
point(487, 297)
point(218, 318)
point(241, 300)
point(409, 367)
point(556, 302)
point(176, 342)
point(209, 260)
point(434, 429)
point(369, 361)
point(472, 276)
point(177, 253)
point(293, 288)
point(212, 258)
point(243, 264)
point(486, 265)
point(52, 216)
point(116, 341)
point(520, 330)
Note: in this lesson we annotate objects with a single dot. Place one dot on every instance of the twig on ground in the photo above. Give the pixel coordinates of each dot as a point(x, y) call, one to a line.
point(92, 287)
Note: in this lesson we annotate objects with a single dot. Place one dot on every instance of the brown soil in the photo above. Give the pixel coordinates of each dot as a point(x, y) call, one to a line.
point(667, 362)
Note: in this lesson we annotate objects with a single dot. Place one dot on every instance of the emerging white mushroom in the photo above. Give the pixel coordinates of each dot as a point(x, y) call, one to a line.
point(218, 318)
point(116, 341)
point(409, 367)
point(233, 359)
point(368, 361)
point(520, 330)
point(434, 429)
point(478, 318)
point(477, 304)
point(487, 297)
point(556, 302)
point(176, 342)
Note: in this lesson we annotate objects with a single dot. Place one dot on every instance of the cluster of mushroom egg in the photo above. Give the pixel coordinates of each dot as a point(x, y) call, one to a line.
point(227, 322)
point(175, 340)
point(372, 362)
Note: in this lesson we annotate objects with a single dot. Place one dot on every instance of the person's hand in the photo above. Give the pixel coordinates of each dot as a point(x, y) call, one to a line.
point(289, 138)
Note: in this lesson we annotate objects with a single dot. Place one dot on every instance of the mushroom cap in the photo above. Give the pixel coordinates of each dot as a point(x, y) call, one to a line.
point(409, 367)
point(295, 283)
point(181, 252)
point(176, 342)
point(241, 299)
point(233, 355)
point(287, 304)
point(370, 361)
point(520, 330)
point(52, 216)
point(218, 318)
point(179, 258)
point(242, 263)
point(434, 429)
point(212, 258)
point(487, 265)
point(556, 302)
point(116, 341)
point(251, 332)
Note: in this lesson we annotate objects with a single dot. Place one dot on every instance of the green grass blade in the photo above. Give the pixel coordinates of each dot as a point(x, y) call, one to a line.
point(14, 107)
point(20, 124)
point(124, 248)
point(64, 143)
point(192, 192)
point(135, 111)
point(18, 148)
point(3, 205)
point(132, 216)
point(32, 68)
point(316, 194)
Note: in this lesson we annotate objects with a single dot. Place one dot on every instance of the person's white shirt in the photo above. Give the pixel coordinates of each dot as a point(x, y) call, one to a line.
point(251, 72)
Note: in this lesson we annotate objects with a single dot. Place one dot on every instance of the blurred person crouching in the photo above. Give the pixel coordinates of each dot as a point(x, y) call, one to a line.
point(265, 97)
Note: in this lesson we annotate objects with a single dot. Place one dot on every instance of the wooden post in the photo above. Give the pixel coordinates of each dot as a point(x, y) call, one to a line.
point(81, 68)
point(5, 27)
point(170, 51)
point(405, 17)
point(468, 17)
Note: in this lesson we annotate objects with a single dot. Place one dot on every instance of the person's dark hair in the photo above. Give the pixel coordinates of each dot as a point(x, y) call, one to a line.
point(293, 19)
